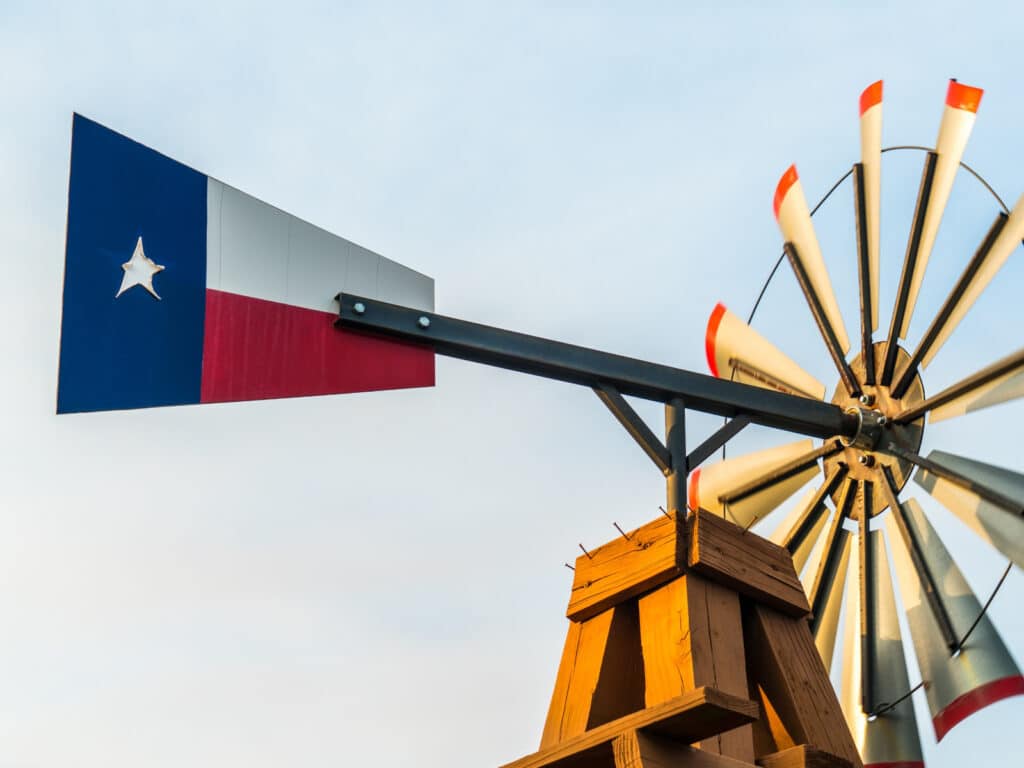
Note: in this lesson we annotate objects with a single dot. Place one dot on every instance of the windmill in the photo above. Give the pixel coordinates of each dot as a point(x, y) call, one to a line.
point(835, 532)
point(180, 289)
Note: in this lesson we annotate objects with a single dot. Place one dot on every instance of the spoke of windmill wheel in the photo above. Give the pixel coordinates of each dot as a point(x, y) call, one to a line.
point(899, 309)
point(983, 672)
point(830, 579)
point(997, 383)
point(815, 525)
point(1009, 238)
point(832, 343)
point(943, 323)
point(794, 220)
point(915, 549)
point(865, 275)
point(1000, 527)
point(884, 728)
point(737, 352)
point(795, 467)
point(868, 574)
point(807, 515)
point(961, 478)
point(712, 487)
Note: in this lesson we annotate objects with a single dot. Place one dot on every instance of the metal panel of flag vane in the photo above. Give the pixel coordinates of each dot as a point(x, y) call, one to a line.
point(179, 289)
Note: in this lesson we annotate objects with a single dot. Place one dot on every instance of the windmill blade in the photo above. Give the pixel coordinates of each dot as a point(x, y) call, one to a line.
point(816, 515)
point(1000, 527)
point(958, 118)
point(746, 488)
point(973, 283)
point(983, 672)
point(802, 528)
point(884, 726)
point(794, 219)
point(997, 383)
point(1003, 237)
point(871, 186)
point(737, 352)
point(826, 595)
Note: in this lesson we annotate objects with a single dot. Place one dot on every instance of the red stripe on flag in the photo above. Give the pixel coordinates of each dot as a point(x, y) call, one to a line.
point(709, 337)
point(961, 96)
point(255, 349)
point(872, 95)
point(788, 179)
point(966, 705)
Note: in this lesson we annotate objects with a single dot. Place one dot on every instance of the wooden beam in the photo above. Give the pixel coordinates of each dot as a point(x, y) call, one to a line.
point(636, 749)
point(803, 756)
point(745, 562)
point(692, 635)
point(688, 718)
point(785, 663)
point(578, 674)
point(624, 568)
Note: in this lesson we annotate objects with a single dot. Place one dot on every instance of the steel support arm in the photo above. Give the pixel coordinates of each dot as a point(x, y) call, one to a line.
point(591, 368)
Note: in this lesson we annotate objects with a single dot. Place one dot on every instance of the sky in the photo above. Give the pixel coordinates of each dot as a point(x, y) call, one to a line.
point(379, 577)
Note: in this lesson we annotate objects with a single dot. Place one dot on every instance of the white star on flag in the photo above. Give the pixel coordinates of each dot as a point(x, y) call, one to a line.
point(139, 270)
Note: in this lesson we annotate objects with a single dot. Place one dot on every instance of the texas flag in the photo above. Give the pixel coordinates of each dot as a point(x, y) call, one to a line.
point(180, 289)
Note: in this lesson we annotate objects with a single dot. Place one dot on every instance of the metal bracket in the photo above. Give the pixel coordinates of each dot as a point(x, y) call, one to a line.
point(723, 435)
point(635, 426)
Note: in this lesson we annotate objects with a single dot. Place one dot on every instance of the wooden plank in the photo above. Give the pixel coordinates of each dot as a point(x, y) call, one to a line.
point(745, 562)
point(688, 718)
point(803, 756)
point(770, 735)
point(620, 569)
point(636, 749)
point(620, 684)
point(577, 679)
point(785, 663)
point(692, 635)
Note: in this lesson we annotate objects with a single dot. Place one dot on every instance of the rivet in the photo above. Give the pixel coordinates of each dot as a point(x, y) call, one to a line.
point(359, 308)
point(867, 399)
point(423, 322)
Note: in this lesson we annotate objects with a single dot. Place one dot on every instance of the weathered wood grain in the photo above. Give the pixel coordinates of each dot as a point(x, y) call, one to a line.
point(785, 663)
point(688, 718)
point(745, 562)
point(620, 569)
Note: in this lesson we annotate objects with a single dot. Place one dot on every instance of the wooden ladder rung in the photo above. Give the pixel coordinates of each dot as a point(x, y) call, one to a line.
point(691, 717)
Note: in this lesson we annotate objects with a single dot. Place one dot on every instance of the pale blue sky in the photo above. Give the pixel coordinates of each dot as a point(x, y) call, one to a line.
point(378, 578)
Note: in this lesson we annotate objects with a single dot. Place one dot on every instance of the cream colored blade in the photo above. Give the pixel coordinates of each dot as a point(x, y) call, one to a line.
point(958, 684)
point(737, 352)
point(708, 485)
point(1006, 243)
point(794, 219)
point(955, 129)
point(803, 507)
point(1001, 528)
point(981, 390)
point(871, 159)
point(885, 732)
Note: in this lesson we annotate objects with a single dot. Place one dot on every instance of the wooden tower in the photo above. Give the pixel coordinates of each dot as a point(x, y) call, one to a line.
point(689, 647)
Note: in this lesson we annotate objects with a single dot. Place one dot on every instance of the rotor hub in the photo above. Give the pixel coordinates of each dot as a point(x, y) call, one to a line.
point(876, 408)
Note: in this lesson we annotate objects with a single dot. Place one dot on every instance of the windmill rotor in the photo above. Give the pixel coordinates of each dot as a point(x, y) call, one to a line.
point(858, 537)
